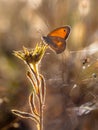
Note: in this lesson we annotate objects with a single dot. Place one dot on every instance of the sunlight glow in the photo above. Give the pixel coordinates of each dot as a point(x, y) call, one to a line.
point(78, 34)
point(84, 7)
point(91, 49)
point(38, 27)
point(34, 4)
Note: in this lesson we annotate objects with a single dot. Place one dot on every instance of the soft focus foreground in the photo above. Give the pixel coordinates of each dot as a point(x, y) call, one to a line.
point(71, 77)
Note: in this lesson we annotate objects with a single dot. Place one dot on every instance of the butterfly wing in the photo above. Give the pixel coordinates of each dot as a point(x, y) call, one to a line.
point(56, 43)
point(62, 32)
point(56, 39)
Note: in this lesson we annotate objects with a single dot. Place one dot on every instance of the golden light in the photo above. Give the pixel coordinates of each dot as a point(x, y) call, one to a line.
point(78, 35)
point(38, 27)
point(84, 7)
point(34, 4)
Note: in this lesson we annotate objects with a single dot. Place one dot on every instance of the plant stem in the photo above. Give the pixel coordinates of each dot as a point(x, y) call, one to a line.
point(41, 116)
point(36, 74)
point(33, 72)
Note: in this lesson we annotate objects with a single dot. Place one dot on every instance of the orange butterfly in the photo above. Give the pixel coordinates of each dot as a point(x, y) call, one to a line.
point(57, 39)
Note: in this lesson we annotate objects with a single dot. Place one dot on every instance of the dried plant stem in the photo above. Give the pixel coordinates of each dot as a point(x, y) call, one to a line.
point(38, 80)
point(41, 116)
point(34, 74)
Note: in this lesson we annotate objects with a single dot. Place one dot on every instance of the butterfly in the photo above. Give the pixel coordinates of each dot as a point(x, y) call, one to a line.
point(57, 39)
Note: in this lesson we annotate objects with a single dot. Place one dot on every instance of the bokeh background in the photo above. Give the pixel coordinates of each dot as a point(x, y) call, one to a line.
point(22, 23)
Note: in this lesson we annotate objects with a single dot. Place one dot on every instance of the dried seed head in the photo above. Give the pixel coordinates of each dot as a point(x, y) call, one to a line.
point(31, 56)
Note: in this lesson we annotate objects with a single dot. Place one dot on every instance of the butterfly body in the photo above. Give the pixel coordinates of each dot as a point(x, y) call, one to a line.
point(57, 39)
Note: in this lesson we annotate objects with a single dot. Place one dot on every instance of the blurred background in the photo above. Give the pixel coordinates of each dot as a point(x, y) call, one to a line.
point(71, 77)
